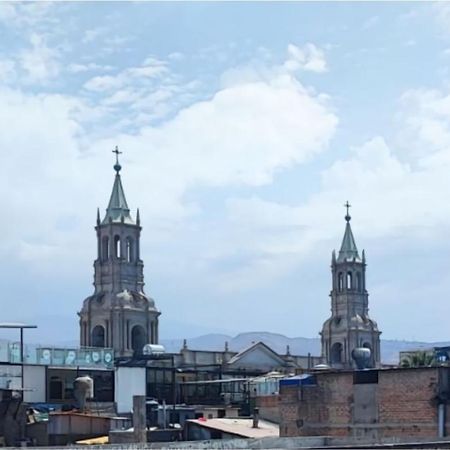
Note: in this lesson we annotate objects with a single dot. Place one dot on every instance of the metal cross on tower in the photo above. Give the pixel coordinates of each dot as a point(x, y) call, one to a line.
point(348, 206)
point(117, 166)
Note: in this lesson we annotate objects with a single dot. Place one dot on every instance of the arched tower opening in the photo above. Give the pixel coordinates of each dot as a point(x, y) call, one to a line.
point(336, 353)
point(129, 249)
point(117, 247)
point(98, 336)
point(105, 248)
point(138, 338)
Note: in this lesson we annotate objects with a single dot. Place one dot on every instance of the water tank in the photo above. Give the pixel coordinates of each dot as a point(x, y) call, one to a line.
point(153, 349)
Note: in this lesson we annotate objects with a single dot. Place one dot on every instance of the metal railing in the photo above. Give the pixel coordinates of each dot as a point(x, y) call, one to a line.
point(90, 357)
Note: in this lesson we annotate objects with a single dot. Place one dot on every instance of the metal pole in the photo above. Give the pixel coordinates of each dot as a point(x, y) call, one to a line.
point(174, 389)
point(21, 357)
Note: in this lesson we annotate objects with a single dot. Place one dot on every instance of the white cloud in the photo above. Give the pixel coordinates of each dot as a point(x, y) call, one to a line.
point(241, 136)
point(150, 70)
point(80, 68)
point(26, 14)
point(399, 193)
point(308, 58)
point(7, 70)
point(176, 56)
point(370, 22)
point(93, 33)
point(40, 62)
point(103, 83)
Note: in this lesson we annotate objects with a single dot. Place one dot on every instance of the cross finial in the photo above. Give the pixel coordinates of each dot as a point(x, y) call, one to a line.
point(347, 216)
point(117, 166)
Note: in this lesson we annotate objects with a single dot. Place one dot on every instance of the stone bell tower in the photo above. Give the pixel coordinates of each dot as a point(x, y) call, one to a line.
point(118, 314)
point(349, 326)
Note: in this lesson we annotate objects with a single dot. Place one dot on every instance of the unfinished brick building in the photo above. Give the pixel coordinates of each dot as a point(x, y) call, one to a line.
point(370, 405)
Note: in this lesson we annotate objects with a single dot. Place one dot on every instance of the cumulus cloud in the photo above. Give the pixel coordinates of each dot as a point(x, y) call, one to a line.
point(241, 136)
point(309, 58)
point(40, 62)
point(7, 70)
point(398, 190)
point(150, 70)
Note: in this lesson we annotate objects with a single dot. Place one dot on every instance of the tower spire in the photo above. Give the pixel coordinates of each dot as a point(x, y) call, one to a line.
point(117, 206)
point(348, 251)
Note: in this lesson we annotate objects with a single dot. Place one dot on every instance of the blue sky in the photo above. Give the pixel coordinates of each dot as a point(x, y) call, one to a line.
point(244, 128)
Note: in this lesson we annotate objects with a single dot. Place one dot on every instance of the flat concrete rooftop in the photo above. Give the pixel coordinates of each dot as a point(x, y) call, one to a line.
point(240, 427)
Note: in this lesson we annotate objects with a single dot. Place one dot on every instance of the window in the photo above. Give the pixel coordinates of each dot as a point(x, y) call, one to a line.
point(358, 282)
point(349, 280)
point(117, 248)
point(340, 282)
point(129, 250)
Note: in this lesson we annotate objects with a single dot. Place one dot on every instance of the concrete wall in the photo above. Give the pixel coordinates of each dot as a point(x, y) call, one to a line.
point(35, 384)
point(129, 381)
point(402, 404)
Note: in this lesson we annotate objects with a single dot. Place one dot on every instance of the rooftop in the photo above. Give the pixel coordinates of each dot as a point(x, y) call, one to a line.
point(240, 427)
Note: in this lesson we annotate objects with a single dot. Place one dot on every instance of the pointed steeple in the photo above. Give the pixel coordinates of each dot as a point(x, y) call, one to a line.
point(348, 251)
point(117, 210)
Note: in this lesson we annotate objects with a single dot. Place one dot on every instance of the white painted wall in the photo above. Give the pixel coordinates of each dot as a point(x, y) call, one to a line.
point(34, 384)
point(10, 377)
point(128, 381)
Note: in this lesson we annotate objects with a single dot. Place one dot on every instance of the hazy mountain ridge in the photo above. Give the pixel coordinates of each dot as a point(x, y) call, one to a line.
point(298, 346)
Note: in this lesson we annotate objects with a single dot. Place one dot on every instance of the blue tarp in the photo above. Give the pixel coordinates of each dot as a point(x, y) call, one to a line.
point(299, 380)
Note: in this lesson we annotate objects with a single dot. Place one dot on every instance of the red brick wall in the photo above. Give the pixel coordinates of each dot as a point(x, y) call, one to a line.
point(405, 406)
point(269, 408)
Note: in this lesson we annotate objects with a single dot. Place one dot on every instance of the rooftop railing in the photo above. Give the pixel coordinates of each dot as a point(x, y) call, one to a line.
point(89, 357)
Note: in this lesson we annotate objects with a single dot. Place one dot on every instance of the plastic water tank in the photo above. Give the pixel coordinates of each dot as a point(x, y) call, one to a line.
point(153, 349)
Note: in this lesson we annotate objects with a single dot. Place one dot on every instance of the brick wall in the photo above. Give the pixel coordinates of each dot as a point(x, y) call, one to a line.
point(269, 408)
point(401, 405)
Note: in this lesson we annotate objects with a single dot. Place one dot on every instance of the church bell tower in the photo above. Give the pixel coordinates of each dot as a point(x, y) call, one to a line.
point(349, 326)
point(118, 314)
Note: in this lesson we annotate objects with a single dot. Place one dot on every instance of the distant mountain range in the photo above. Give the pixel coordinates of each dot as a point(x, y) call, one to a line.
point(298, 346)
point(278, 342)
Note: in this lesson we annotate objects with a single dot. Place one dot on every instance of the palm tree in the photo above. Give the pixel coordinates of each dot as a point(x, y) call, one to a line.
point(419, 359)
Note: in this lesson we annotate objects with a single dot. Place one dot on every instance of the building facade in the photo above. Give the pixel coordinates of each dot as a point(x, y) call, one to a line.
point(118, 314)
point(349, 327)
